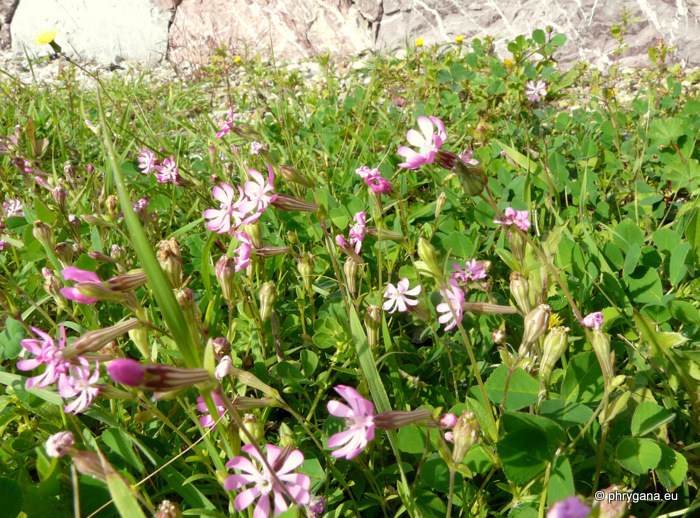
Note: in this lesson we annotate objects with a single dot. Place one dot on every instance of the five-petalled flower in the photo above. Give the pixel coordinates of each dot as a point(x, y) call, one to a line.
point(397, 296)
point(536, 91)
point(47, 353)
point(454, 302)
point(80, 383)
point(359, 417)
point(428, 143)
point(519, 218)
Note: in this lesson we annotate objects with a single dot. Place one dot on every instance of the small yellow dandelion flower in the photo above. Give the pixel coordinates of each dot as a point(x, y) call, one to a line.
point(555, 320)
point(460, 38)
point(45, 37)
point(508, 63)
point(237, 59)
point(419, 42)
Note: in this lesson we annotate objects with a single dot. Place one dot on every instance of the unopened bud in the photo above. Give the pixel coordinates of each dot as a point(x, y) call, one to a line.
point(386, 235)
point(350, 268)
point(69, 171)
point(439, 204)
point(93, 341)
point(447, 420)
point(89, 463)
point(486, 308)
point(536, 324)
point(373, 321)
point(292, 175)
point(268, 297)
point(555, 344)
point(601, 346)
point(499, 336)
point(99, 256)
point(290, 204)
point(42, 233)
point(293, 238)
point(520, 291)
point(517, 243)
point(286, 436)
point(464, 434)
point(64, 253)
point(185, 299)
point(254, 427)
point(127, 281)
point(74, 223)
point(154, 376)
point(306, 266)
point(419, 311)
point(225, 270)
point(170, 261)
point(59, 444)
point(59, 195)
point(224, 368)
point(221, 346)
point(426, 252)
point(168, 509)
point(112, 204)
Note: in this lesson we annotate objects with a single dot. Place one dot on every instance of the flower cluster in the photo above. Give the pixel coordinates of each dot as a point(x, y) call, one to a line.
point(519, 218)
point(473, 271)
point(374, 180)
point(167, 170)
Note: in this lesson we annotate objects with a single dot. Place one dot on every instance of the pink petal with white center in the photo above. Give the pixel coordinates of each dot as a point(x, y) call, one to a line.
point(234, 482)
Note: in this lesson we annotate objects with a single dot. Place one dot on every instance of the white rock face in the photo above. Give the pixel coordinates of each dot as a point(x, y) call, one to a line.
point(102, 30)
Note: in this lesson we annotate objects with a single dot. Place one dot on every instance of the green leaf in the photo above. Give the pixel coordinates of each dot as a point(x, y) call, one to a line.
point(10, 339)
point(559, 40)
point(561, 480)
point(677, 268)
point(411, 440)
point(566, 413)
point(638, 455)
point(309, 362)
point(539, 36)
point(121, 493)
point(458, 245)
point(672, 468)
point(626, 234)
point(523, 390)
point(644, 285)
point(685, 312)
point(666, 240)
point(528, 446)
point(583, 380)
point(648, 417)
point(11, 497)
point(120, 444)
point(632, 259)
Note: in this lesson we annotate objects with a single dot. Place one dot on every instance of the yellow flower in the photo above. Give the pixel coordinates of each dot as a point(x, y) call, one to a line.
point(237, 59)
point(555, 320)
point(45, 37)
point(419, 42)
point(508, 63)
point(460, 38)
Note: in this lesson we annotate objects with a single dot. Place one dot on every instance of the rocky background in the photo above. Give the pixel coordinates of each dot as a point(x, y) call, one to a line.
point(187, 31)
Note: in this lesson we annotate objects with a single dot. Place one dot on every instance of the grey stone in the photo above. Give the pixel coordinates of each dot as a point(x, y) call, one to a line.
point(103, 30)
point(7, 10)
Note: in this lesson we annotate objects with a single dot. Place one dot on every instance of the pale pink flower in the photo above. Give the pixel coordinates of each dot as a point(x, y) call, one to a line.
point(428, 143)
point(447, 420)
point(519, 218)
point(59, 444)
point(378, 184)
point(454, 299)
point(466, 157)
point(397, 296)
point(365, 172)
point(594, 320)
point(258, 191)
point(571, 507)
point(47, 353)
point(140, 206)
point(224, 368)
point(226, 126)
point(80, 383)
point(265, 486)
point(316, 506)
point(147, 161)
point(359, 417)
point(3, 244)
point(207, 421)
point(473, 271)
point(220, 219)
point(242, 258)
point(168, 172)
point(80, 276)
point(255, 148)
point(13, 208)
point(357, 232)
point(536, 91)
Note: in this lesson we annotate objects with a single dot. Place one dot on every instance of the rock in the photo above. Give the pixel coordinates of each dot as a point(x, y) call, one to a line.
point(295, 28)
point(7, 10)
point(104, 30)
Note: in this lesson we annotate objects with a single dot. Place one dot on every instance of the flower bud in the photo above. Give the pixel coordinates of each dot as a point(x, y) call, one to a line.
point(255, 235)
point(419, 311)
point(271, 251)
point(170, 261)
point(69, 171)
point(293, 238)
point(601, 346)
point(193, 315)
point(350, 268)
point(117, 253)
point(447, 420)
point(464, 434)
point(536, 324)
point(93, 341)
point(426, 252)
point(74, 223)
point(59, 444)
point(439, 204)
point(42, 233)
point(471, 177)
point(520, 291)
point(59, 195)
point(126, 282)
point(446, 159)
point(112, 204)
point(486, 308)
point(154, 376)
point(286, 436)
point(99, 256)
point(395, 419)
point(290, 204)
point(254, 427)
point(225, 270)
point(224, 368)
point(517, 243)
point(168, 509)
point(89, 463)
point(499, 336)
point(292, 175)
point(268, 297)
point(555, 344)
point(387, 235)
point(306, 267)
point(373, 321)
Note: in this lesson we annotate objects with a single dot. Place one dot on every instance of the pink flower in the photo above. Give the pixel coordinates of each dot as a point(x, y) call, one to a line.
point(455, 299)
point(535, 92)
point(466, 157)
point(520, 218)
point(147, 161)
point(226, 126)
point(47, 353)
point(3, 244)
point(447, 420)
point(140, 206)
point(365, 172)
point(168, 172)
point(570, 507)
point(220, 220)
point(59, 444)
point(224, 368)
point(259, 192)
point(378, 184)
point(13, 208)
point(282, 462)
point(594, 320)
point(428, 143)
point(357, 232)
point(80, 384)
point(359, 417)
point(81, 276)
point(242, 258)
point(398, 296)
point(255, 148)
point(207, 421)
point(473, 271)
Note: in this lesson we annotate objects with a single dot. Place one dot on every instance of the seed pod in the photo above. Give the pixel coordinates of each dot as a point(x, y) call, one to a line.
point(464, 434)
point(112, 204)
point(555, 344)
point(485, 308)
point(59, 195)
point(306, 267)
point(426, 252)
point(536, 324)
point(170, 260)
point(225, 270)
point(292, 175)
point(373, 321)
point(93, 341)
point(254, 427)
point(601, 346)
point(350, 268)
point(42, 233)
point(268, 297)
point(517, 244)
point(255, 234)
point(519, 290)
